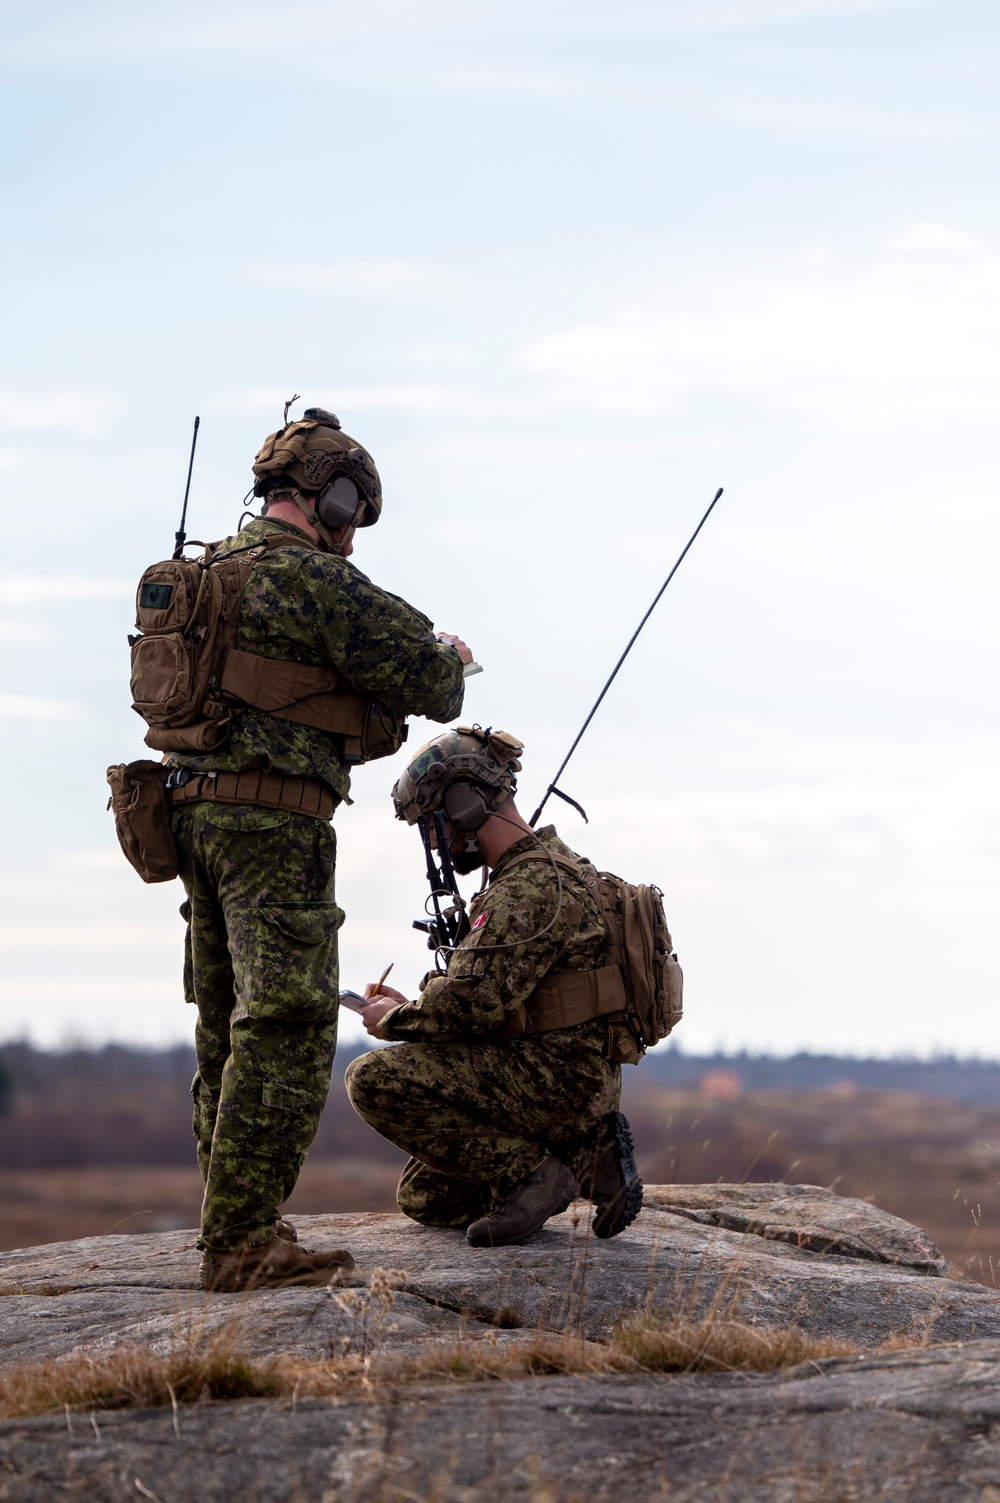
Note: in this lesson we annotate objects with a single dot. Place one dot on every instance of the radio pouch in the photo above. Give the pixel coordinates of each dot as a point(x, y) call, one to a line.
point(142, 819)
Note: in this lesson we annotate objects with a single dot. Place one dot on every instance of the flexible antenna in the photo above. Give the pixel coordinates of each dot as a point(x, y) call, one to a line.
point(614, 673)
point(180, 536)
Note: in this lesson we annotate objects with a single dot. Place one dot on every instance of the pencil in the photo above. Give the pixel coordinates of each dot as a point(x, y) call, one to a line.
point(384, 974)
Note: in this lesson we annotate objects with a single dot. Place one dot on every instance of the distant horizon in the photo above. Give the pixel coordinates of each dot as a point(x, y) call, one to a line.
point(355, 1046)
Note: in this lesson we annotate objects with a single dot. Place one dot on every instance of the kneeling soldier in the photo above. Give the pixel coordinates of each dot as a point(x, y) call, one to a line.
point(503, 1091)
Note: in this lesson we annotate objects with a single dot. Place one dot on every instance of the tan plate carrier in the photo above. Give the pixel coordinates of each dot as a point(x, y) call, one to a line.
point(638, 991)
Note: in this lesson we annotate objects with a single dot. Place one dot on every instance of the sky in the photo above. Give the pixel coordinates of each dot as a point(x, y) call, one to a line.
point(564, 269)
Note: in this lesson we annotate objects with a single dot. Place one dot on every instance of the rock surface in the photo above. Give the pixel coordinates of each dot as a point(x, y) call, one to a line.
point(916, 1424)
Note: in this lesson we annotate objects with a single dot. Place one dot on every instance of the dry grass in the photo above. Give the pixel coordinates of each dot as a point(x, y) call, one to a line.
point(132, 1378)
point(38, 1288)
point(212, 1367)
point(715, 1346)
point(682, 1347)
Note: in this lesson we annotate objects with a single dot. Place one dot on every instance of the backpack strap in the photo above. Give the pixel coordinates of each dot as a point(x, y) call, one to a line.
point(306, 693)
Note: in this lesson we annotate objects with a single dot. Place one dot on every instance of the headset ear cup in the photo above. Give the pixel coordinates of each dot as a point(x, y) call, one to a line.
point(337, 506)
point(465, 806)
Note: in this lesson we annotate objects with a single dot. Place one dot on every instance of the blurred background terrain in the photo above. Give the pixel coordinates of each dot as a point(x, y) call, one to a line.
point(95, 1140)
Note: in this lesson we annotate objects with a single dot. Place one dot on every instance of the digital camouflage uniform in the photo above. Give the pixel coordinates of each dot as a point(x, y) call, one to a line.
point(261, 945)
point(478, 1116)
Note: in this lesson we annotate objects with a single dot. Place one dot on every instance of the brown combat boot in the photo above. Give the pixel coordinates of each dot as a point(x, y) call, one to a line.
point(276, 1265)
point(605, 1161)
point(529, 1205)
point(285, 1230)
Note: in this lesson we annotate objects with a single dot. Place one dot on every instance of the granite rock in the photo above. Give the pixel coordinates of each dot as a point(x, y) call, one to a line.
point(914, 1424)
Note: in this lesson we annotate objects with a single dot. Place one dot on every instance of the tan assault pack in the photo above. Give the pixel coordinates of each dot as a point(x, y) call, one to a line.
point(190, 680)
point(640, 988)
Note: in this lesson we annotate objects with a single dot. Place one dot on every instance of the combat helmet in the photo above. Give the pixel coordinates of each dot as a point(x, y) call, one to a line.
point(311, 456)
point(466, 774)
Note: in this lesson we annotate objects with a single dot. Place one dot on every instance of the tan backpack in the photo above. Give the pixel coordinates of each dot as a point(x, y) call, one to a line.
point(639, 989)
point(190, 680)
point(639, 941)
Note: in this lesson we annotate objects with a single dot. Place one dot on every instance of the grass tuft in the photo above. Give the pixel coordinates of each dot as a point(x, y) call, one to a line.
point(23, 1289)
point(134, 1378)
point(715, 1346)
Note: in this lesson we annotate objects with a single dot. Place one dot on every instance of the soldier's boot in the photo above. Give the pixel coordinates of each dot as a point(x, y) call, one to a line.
point(285, 1230)
point(529, 1205)
point(604, 1159)
point(278, 1264)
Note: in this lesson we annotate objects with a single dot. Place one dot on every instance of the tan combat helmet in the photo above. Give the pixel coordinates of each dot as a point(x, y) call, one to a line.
point(466, 773)
point(312, 455)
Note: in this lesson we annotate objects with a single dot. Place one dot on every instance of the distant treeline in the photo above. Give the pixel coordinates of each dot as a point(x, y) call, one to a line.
point(955, 1079)
point(119, 1105)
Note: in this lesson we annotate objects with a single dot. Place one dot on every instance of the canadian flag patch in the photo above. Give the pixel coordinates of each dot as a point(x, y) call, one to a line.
point(480, 921)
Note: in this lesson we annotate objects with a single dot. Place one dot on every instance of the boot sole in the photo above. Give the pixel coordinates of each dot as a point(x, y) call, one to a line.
point(235, 1286)
point(631, 1200)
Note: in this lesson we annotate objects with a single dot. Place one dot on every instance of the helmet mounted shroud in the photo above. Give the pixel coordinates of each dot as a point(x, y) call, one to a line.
point(449, 925)
point(459, 779)
point(332, 476)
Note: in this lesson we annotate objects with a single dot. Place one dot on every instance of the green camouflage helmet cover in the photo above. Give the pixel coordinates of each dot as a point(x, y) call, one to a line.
point(310, 454)
point(468, 754)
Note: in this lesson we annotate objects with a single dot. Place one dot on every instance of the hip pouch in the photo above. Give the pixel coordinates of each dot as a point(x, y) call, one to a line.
point(142, 819)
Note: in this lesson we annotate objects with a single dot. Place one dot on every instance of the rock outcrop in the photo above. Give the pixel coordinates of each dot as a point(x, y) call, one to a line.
point(920, 1423)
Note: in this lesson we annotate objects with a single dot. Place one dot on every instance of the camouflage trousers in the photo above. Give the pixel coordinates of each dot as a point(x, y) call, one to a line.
point(261, 968)
point(477, 1118)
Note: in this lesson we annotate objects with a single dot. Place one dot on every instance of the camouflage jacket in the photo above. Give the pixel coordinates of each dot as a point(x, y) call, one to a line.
point(485, 985)
point(317, 608)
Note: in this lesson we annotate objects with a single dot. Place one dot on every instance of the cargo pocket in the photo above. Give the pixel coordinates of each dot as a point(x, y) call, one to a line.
point(205, 1107)
point(245, 819)
point(295, 960)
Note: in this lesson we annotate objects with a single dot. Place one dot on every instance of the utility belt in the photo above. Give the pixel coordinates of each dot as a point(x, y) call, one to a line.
point(269, 790)
point(143, 795)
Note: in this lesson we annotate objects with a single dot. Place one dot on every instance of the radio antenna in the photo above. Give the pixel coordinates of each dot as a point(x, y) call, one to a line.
point(614, 673)
point(180, 536)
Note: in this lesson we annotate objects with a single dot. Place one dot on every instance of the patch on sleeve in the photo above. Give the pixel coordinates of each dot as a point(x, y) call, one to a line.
point(480, 921)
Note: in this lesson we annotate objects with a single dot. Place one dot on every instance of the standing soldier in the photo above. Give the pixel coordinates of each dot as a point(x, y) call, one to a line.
point(324, 666)
point(506, 1090)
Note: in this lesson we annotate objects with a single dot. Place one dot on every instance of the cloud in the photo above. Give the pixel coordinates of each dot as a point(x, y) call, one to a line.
point(52, 32)
point(911, 329)
point(31, 589)
point(57, 989)
point(81, 412)
point(408, 281)
point(45, 937)
point(36, 707)
point(833, 117)
point(915, 329)
point(23, 631)
point(93, 859)
point(421, 397)
point(697, 15)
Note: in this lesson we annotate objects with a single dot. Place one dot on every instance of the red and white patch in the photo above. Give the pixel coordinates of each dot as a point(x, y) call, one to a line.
point(480, 921)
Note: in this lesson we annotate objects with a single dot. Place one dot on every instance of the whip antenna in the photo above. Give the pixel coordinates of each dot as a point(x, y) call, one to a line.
point(180, 535)
point(614, 673)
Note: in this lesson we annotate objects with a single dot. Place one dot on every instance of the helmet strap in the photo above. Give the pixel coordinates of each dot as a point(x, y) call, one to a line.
point(308, 510)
